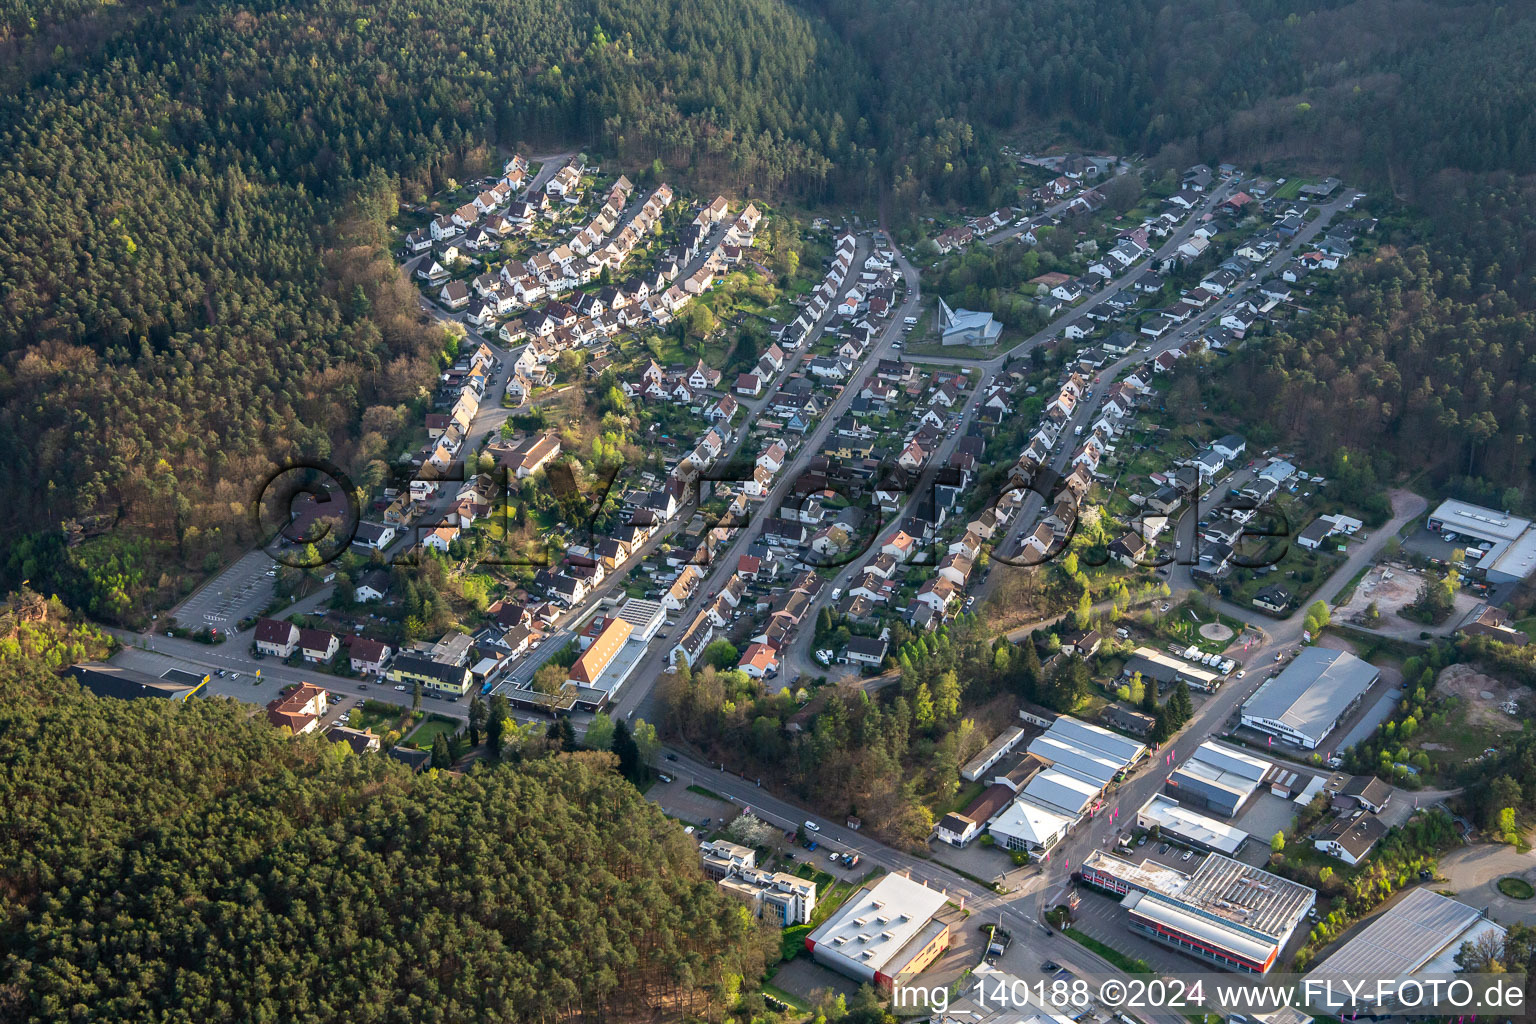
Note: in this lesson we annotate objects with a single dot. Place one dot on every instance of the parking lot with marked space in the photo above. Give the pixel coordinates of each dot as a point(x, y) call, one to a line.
point(239, 591)
point(1101, 917)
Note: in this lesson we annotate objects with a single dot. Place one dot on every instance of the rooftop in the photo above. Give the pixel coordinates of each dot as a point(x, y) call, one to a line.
point(1218, 888)
point(1402, 940)
point(878, 921)
point(1313, 691)
point(1184, 823)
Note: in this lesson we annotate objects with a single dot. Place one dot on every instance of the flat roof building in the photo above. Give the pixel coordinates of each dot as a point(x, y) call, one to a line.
point(884, 932)
point(1304, 702)
point(1168, 670)
point(1223, 911)
point(644, 617)
point(106, 680)
point(1419, 935)
point(1511, 551)
point(979, 765)
point(1175, 821)
point(1218, 778)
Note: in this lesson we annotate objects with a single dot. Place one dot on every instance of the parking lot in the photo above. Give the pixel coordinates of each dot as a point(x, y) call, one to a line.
point(1101, 917)
point(242, 590)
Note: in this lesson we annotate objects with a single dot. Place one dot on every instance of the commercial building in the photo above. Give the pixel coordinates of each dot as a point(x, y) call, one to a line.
point(1088, 741)
point(1223, 911)
point(776, 896)
point(106, 680)
point(979, 765)
point(721, 858)
point(1506, 543)
point(1026, 825)
point(1218, 778)
point(1168, 670)
point(995, 997)
point(1087, 763)
point(1305, 701)
point(645, 618)
point(1174, 821)
point(885, 932)
point(1061, 792)
point(1419, 935)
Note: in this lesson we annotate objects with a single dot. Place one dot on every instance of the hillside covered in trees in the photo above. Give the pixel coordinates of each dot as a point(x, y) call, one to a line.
point(192, 259)
point(187, 862)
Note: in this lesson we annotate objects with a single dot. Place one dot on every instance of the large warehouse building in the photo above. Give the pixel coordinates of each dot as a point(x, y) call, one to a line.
point(1087, 745)
point(1224, 911)
point(1501, 546)
point(1218, 778)
point(885, 932)
point(1420, 935)
point(1303, 703)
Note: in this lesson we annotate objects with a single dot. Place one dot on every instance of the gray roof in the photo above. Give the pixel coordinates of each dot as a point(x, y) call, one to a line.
point(1403, 939)
point(1313, 691)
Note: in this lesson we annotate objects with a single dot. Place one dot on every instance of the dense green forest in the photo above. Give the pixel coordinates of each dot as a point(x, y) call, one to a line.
point(192, 260)
point(1416, 359)
point(192, 256)
point(1386, 87)
point(188, 862)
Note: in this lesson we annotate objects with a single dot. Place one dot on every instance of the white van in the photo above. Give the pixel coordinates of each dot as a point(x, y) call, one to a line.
point(910, 321)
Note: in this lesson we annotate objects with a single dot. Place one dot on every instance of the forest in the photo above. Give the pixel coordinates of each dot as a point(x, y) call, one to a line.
point(188, 862)
point(194, 256)
point(193, 262)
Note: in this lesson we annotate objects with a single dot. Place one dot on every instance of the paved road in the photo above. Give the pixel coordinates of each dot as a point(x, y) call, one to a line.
point(1017, 915)
point(719, 571)
point(985, 371)
point(1089, 411)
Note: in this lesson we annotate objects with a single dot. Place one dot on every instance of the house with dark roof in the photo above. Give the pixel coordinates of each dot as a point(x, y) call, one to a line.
point(276, 639)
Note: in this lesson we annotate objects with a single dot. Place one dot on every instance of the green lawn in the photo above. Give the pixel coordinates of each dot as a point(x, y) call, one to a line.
point(377, 715)
point(1516, 888)
point(958, 351)
point(828, 901)
point(701, 791)
point(1180, 627)
point(799, 1005)
point(1291, 189)
point(430, 729)
point(962, 799)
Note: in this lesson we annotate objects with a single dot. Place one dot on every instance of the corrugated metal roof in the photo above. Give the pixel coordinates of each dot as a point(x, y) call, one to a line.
point(1313, 691)
point(1401, 940)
